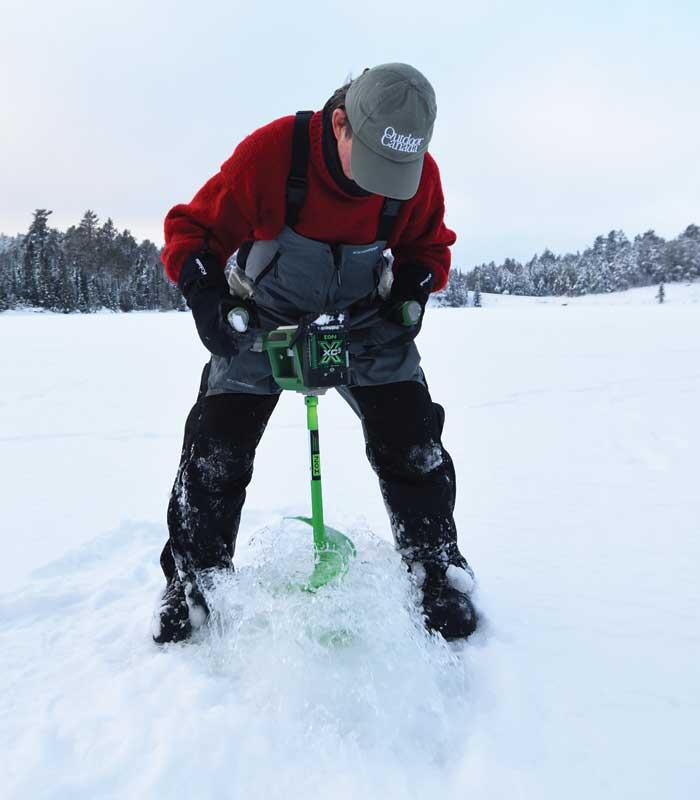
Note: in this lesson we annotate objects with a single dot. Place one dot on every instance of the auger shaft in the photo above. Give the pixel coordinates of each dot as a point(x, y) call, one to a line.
point(318, 526)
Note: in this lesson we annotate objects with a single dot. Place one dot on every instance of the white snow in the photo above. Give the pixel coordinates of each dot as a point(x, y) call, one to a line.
point(328, 319)
point(460, 579)
point(675, 293)
point(575, 433)
point(427, 458)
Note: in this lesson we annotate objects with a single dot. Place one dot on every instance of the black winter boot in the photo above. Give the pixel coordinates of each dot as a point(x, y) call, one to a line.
point(447, 607)
point(180, 610)
point(171, 616)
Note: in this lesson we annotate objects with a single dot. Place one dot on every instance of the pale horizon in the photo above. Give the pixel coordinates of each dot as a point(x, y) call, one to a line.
point(555, 123)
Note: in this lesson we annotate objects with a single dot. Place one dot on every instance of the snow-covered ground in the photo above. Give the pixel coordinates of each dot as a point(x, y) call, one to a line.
point(675, 294)
point(575, 431)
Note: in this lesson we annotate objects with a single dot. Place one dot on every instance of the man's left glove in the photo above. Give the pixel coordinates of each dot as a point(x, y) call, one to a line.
point(204, 285)
point(411, 286)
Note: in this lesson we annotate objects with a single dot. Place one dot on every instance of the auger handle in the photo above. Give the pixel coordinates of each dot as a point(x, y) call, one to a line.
point(239, 319)
point(408, 313)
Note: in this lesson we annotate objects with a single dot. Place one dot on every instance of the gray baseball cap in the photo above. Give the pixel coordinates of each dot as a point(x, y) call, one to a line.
point(392, 110)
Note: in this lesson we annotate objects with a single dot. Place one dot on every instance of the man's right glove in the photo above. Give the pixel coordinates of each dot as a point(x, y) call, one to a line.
point(204, 285)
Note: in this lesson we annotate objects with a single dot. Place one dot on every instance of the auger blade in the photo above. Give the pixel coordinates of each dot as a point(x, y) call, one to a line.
point(332, 559)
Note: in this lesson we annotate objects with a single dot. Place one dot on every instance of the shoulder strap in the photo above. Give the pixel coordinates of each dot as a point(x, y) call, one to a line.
point(296, 181)
point(387, 218)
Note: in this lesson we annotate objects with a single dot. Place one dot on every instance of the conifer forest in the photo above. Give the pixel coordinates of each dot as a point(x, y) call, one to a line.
point(93, 266)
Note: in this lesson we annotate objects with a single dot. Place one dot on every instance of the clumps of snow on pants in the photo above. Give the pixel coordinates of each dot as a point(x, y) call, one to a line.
point(425, 458)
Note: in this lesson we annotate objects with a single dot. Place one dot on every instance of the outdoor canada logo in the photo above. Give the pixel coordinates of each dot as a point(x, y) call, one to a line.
point(403, 142)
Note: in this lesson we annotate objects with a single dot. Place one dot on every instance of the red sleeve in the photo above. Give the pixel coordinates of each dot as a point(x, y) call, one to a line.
point(425, 239)
point(244, 200)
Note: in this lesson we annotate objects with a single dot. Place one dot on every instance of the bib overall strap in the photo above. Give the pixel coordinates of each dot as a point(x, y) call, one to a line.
point(296, 181)
point(387, 218)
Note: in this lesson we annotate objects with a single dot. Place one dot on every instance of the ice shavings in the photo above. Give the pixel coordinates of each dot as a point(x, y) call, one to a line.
point(330, 319)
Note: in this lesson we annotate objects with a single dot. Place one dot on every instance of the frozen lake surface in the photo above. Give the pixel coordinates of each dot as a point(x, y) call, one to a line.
point(575, 432)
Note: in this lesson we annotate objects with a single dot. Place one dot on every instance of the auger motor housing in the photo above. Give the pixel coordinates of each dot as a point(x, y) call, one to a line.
point(310, 357)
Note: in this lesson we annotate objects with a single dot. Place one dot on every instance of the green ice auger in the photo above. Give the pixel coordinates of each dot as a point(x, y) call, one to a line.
point(309, 359)
point(333, 550)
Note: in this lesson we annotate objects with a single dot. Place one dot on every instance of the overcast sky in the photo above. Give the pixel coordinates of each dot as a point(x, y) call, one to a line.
point(556, 121)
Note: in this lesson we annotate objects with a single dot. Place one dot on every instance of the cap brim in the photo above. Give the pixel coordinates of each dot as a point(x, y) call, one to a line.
point(381, 175)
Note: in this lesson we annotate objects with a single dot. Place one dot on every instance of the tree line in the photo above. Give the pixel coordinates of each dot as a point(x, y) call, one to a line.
point(93, 266)
point(613, 263)
point(89, 267)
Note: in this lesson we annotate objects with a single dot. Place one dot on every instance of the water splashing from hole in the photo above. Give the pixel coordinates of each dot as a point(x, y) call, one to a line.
point(351, 664)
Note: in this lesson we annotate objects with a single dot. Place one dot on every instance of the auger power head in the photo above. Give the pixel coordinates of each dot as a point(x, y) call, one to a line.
point(312, 356)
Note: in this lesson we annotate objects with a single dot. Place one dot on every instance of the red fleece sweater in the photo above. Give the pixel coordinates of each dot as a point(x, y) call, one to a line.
point(246, 200)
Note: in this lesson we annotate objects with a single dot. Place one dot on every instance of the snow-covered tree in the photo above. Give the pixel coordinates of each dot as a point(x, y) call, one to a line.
point(456, 293)
point(651, 257)
point(94, 265)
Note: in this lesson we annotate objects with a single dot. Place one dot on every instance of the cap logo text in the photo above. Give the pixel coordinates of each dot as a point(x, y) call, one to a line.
point(403, 142)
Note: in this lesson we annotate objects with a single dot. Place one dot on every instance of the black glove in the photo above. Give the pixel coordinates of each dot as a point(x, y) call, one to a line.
point(204, 285)
point(412, 284)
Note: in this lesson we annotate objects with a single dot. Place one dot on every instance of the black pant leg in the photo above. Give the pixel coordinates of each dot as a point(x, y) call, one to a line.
point(403, 430)
point(222, 433)
point(167, 562)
